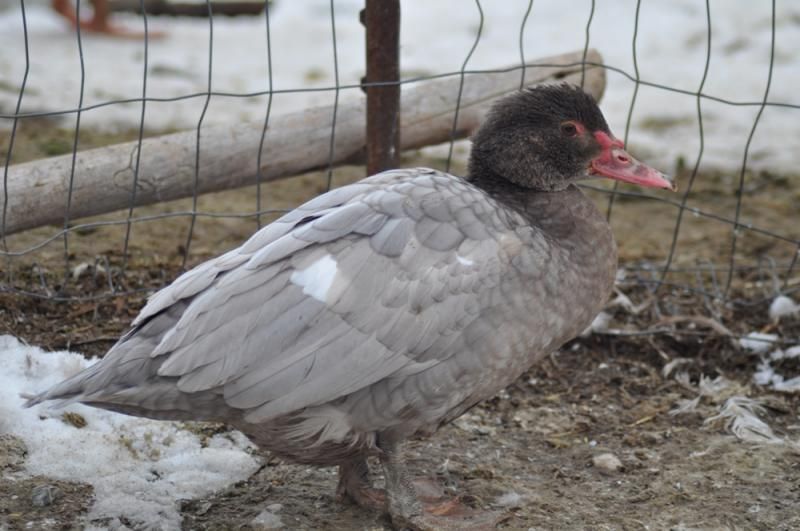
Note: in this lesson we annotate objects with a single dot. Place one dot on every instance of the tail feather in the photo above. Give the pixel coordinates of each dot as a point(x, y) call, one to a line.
point(66, 392)
point(136, 390)
point(127, 380)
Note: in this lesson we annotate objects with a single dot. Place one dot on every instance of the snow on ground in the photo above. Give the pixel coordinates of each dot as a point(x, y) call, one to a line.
point(436, 37)
point(139, 468)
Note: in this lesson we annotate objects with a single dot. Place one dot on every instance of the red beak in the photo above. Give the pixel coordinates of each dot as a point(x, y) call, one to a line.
point(615, 163)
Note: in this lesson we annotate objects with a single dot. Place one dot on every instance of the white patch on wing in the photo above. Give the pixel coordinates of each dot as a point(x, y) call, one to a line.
point(316, 279)
point(464, 261)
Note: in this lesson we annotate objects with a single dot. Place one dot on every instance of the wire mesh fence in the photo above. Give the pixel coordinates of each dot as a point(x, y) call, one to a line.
point(731, 235)
point(698, 269)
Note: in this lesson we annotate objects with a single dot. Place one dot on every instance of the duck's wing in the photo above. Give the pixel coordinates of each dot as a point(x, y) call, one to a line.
point(369, 281)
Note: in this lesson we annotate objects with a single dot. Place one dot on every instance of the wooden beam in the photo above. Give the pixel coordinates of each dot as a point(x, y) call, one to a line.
point(191, 9)
point(297, 143)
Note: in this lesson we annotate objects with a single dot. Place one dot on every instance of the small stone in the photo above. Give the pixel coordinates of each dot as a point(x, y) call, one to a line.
point(607, 463)
point(203, 509)
point(44, 495)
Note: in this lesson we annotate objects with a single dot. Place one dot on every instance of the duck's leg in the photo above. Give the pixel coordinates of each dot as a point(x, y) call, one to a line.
point(410, 510)
point(354, 484)
point(402, 503)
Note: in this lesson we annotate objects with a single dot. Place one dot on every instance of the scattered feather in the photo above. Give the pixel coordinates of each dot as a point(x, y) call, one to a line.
point(758, 342)
point(713, 388)
point(674, 364)
point(782, 306)
point(791, 385)
point(792, 352)
point(776, 355)
point(599, 324)
point(765, 374)
point(685, 406)
point(684, 379)
point(509, 499)
point(740, 415)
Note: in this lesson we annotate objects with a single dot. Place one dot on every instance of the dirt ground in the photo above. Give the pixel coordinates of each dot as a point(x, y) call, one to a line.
point(528, 453)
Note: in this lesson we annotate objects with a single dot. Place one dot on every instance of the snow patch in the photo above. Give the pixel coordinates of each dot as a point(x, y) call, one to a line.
point(138, 467)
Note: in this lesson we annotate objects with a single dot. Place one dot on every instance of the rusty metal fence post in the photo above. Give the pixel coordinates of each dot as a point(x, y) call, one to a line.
point(382, 21)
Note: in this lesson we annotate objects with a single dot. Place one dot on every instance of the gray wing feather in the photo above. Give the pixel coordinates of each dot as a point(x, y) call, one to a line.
point(393, 236)
point(438, 235)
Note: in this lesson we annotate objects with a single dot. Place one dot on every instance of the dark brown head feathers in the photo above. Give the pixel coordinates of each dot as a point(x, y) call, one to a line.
point(521, 140)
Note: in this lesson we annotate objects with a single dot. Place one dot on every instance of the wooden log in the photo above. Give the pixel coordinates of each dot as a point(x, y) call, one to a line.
point(190, 9)
point(295, 143)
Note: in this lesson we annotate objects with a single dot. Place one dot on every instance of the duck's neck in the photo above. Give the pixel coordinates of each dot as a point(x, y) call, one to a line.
point(531, 203)
point(577, 234)
point(502, 190)
point(566, 216)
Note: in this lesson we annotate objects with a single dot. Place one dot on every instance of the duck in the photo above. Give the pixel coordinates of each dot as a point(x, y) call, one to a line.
point(385, 309)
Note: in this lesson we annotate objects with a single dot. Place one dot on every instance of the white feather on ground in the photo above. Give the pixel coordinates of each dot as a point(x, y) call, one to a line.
point(599, 324)
point(782, 306)
point(767, 376)
point(740, 415)
point(758, 342)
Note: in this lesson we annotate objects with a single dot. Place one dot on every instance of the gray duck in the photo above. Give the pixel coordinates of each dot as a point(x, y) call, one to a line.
point(386, 308)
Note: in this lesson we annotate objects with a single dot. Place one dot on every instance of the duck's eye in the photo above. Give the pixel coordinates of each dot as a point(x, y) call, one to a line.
point(569, 129)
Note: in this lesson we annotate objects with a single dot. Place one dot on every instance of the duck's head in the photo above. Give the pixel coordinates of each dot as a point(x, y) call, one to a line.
point(548, 137)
